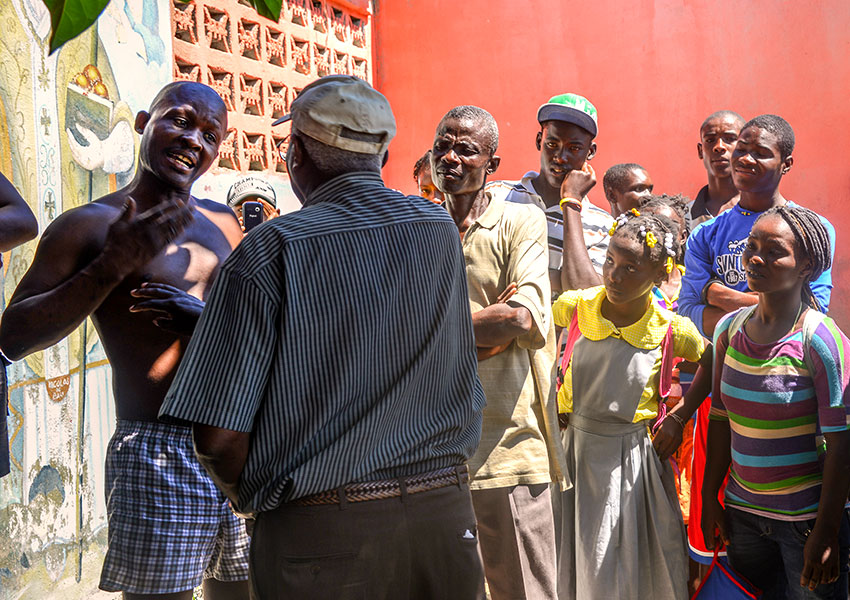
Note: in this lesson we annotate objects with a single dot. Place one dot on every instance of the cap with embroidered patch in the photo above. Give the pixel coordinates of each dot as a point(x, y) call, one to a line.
point(570, 108)
point(345, 112)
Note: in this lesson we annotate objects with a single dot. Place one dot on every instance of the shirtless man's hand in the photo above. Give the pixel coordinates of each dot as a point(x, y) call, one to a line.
point(176, 311)
point(134, 239)
point(81, 259)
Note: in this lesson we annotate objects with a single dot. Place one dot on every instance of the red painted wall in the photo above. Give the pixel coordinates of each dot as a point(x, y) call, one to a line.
point(654, 70)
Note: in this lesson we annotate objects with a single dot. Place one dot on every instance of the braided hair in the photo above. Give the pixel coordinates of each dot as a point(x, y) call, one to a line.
point(679, 205)
point(656, 232)
point(812, 240)
point(422, 163)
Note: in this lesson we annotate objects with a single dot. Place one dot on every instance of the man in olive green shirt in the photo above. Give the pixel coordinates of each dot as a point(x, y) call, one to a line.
point(504, 244)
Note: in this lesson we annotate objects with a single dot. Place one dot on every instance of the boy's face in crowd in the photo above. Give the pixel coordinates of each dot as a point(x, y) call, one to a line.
point(181, 136)
point(757, 164)
point(771, 258)
point(638, 185)
point(460, 158)
point(427, 189)
point(563, 148)
point(717, 140)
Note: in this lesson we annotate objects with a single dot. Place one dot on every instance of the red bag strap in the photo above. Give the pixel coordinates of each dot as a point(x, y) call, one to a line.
point(666, 363)
point(666, 377)
point(730, 576)
point(573, 333)
point(666, 383)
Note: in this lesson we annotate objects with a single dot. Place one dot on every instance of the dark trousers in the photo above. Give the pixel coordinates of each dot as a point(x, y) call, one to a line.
point(422, 546)
point(769, 553)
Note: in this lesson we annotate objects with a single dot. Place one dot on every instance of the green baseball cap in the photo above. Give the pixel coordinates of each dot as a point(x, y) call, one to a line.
point(570, 108)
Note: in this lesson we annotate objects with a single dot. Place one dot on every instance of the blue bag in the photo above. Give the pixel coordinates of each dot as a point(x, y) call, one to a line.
point(723, 583)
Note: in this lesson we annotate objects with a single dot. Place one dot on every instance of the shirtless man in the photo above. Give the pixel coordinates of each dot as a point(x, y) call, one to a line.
point(17, 225)
point(169, 526)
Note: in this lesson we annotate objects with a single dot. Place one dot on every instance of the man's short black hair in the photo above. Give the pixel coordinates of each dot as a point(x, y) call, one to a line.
point(190, 88)
point(423, 160)
point(778, 127)
point(720, 114)
point(616, 177)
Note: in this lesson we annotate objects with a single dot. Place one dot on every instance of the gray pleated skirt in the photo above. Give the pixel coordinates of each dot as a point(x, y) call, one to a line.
point(621, 530)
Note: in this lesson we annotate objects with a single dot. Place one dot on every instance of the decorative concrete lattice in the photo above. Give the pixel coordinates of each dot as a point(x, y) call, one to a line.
point(258, 66)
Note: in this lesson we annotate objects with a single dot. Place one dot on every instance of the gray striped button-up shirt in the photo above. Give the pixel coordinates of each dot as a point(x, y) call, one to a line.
point(340, 336)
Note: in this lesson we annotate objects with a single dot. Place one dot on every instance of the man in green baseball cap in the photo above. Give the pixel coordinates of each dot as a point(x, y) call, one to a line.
point(568, 126)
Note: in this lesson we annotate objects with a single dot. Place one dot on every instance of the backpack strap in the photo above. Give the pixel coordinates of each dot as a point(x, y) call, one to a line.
point(811, 322)
point(573, 333)
point(666, 381)
point(739, 319)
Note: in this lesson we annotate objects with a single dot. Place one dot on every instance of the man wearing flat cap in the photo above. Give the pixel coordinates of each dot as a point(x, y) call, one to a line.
point(352, 401)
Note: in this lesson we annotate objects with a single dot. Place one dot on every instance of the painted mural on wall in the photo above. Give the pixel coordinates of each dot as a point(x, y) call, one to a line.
point(66, 138)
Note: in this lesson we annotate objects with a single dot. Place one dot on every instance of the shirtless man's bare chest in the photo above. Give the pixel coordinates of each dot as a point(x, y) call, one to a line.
point(143, 354)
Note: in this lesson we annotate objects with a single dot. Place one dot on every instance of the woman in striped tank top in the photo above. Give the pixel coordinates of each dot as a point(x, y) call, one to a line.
point(779, 417)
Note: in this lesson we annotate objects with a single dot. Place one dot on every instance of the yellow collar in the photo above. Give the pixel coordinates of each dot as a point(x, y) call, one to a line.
point(647, 333)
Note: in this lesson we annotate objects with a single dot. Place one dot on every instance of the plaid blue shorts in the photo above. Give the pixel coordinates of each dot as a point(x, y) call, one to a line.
point(169, 526)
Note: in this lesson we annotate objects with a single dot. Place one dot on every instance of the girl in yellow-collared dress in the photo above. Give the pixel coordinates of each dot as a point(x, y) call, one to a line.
point(622, 534)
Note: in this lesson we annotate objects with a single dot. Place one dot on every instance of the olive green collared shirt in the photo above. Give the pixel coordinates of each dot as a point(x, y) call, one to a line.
point(520, 441)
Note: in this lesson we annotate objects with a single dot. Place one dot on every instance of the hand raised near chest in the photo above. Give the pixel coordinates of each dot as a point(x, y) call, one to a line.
point(134, 239)
point(175, 311)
